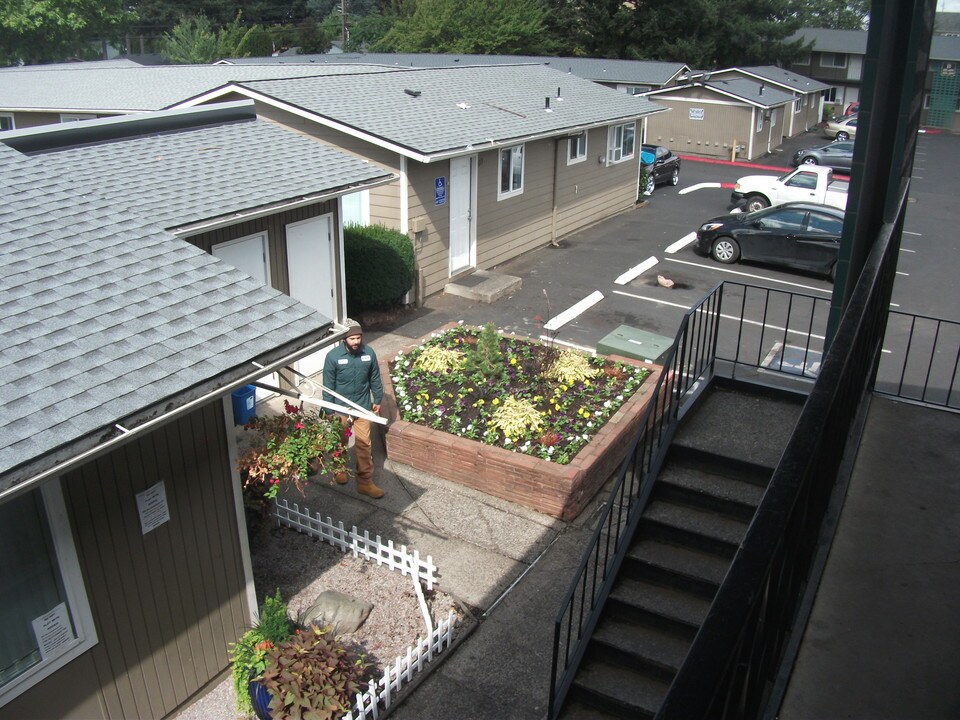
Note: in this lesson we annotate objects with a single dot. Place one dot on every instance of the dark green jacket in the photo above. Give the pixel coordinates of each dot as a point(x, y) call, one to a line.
point(353, 376)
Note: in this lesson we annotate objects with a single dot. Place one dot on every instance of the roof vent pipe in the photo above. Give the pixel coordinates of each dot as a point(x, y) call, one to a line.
point(546, 103)
point(412, 93)
point(761, 89)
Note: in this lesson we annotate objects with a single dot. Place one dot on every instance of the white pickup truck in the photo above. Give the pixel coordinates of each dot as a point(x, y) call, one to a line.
point(808, 183)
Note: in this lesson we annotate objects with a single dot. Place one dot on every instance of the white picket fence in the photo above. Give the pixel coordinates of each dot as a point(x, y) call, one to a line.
point(372, 549)
point(383, 692)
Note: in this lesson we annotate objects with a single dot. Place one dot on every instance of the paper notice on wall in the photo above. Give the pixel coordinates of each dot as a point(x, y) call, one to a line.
point(53, 631)
point(152, 504)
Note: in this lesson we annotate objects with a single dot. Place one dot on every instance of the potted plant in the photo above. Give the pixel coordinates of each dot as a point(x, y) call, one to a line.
point(312, 675)
point(249, 653)
point(290, 447)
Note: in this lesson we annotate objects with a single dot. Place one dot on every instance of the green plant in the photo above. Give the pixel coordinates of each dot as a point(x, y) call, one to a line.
point(485, 360)
point(378, 266)
point(312, 676)
point(516, 417)
point(284, 446)
point(571, 367)
point(249, 653)
point(435, 359)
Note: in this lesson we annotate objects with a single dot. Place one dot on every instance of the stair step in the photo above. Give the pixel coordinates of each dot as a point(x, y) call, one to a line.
point(682, 608)
point(698, 566)
point(708, 491)
point(648, 647)
point(714, 464)
point(573, 709)
point(617, 690)
point(699, 528)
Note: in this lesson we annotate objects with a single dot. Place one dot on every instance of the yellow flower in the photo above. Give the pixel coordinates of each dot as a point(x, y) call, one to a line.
point(495, 401)
point(513, 361)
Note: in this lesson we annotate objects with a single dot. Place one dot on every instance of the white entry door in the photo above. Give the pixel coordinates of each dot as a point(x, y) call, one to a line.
point(250, 255)
point(310, 264)
point(463, 253)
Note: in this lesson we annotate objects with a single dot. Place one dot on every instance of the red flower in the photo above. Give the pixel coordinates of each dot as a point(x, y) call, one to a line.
point(290, 409)
point(347, 432)
point(298, 425)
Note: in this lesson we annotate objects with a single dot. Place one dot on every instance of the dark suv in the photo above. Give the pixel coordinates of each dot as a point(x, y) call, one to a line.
point(664, 167)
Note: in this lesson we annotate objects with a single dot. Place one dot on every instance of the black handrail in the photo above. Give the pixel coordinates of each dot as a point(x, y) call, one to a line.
point(921, 364)
point(684, 375)
point(737, 653)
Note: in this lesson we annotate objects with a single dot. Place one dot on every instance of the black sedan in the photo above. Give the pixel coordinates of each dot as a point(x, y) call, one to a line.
point(661, 164)
point(800, 235)
point(837, 155)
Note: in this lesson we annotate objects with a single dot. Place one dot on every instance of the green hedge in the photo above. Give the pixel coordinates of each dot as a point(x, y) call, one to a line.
point(379, 266)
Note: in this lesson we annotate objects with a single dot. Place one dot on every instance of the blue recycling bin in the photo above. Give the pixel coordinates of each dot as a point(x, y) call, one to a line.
point(244, 404)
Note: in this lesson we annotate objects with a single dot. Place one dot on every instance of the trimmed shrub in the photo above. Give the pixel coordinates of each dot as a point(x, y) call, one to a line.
point(379, 267)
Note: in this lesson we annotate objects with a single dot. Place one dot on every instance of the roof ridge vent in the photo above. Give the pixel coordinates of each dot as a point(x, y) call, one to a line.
point(412, 93)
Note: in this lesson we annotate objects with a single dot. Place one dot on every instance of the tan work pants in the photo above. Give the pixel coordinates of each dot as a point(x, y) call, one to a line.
point(362, 449)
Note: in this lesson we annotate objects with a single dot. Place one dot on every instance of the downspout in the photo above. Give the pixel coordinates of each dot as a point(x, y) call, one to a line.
point(753, 132)
point(556, 175)
point(404, 196)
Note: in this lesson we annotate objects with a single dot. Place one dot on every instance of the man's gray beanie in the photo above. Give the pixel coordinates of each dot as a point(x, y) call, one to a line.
point(353, 327)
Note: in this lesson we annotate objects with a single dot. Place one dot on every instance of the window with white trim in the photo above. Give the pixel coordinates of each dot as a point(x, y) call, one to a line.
point(797, 105)
point(833, 60)
point(759, 120)
point(621, 142)
point(73, 117)
point(511, 172)
point(830, 95)
point(576, 148)
point(773, 117)
point(44, 610)
point(6, 122)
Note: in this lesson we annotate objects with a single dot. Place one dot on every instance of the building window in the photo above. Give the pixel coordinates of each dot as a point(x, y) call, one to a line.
point(759, 120)
point(773, 117)
point(802, 60)
point(6, 122)
point(576, 148)
point(797, 105)
point(44, 611)
point(76, 118)
point(833, 60)
point(830, 95)
point(511, 172)
point(620, 142)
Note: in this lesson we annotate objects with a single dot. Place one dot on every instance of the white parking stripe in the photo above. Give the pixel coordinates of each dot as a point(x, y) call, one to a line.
point(698, 186)
point(907, 232)
point(681, 243)
point(572, 312)
point(903, 273)
point(636, 270)
point(727, 317)
point(905, 250)
point(582, 348)
point(749, 275)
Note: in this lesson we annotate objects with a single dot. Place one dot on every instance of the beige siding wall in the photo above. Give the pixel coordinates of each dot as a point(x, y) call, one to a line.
point(723, 125)
point(165, 604)
point(590, 191)
point(432, 244)
point(24, 120)
point(275, 227)
point(385, 199)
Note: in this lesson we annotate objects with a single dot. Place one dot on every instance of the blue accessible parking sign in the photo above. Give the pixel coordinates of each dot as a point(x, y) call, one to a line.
point(439, 191)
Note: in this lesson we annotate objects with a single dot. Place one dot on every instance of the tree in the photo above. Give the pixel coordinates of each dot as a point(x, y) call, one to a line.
point(834, 14)
point(510, 27)
point(192, 41)
point(36, 31)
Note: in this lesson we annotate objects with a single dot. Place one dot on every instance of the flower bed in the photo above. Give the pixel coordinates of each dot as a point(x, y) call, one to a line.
point(513, 417)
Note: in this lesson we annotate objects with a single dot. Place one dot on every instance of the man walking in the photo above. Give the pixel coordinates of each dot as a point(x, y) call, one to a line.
point(351, 370)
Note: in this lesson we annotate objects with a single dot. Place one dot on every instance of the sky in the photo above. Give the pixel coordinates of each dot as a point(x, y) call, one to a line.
point(948, 5)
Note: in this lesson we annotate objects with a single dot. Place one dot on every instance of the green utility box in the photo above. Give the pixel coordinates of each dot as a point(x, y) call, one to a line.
point(637, 344)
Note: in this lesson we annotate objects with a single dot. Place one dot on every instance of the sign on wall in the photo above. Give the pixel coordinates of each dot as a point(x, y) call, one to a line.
point(439, 190)
point(696, 113)
point(152, 505)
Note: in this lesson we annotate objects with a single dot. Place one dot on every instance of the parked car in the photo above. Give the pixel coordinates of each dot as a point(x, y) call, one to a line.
point(808, 183)
point(837, 155)
point(661, 164)
point(843, 129)
point(800, 235)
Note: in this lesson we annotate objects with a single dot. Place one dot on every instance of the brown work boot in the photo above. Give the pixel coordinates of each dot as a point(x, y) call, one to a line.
point(340, 477)
point(366, 487)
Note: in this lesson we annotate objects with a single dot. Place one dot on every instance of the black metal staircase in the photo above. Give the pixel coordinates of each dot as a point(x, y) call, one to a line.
point(699, 509)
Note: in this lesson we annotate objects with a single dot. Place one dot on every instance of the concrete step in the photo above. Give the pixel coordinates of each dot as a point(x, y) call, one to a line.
point(743, 425)
point(696, 487)
point(691, 527)
point(642, 601)
point(646, 647)
point(673, 565)
point(617, 691)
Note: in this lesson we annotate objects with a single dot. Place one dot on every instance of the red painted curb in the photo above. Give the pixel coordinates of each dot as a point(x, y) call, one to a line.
point(752, 166)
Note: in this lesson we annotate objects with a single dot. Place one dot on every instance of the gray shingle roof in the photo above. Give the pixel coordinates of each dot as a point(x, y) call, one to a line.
point(182, 177)
point(102, 314)
point(458, 107)
point(854, 42)
point(780, 76)
point(135, 88)
point(747, 90)
point(638, 72)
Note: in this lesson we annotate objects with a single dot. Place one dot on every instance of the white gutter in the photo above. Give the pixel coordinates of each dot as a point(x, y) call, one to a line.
point(257, 372)
point(400, 149)
point(206, 225)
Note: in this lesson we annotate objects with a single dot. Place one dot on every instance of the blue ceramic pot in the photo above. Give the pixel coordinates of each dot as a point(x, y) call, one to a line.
point(260, 699)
